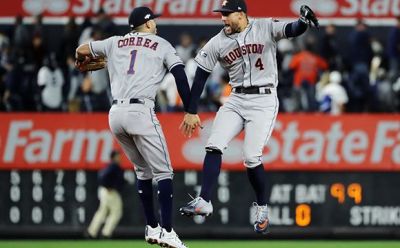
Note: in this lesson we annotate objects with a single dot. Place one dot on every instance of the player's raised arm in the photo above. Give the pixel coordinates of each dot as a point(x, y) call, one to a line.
point(307, 18)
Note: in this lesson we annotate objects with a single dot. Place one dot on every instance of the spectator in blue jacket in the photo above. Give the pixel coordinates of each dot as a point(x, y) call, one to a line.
point(111, 181)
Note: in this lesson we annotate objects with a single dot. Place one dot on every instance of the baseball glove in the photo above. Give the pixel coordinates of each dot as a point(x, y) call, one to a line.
point(308, 16)
point(90, 64)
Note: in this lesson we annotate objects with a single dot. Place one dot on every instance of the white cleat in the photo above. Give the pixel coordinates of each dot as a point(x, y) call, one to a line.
point(152, 235)
point(171, 240)
point(261, 225)
point(197, 206)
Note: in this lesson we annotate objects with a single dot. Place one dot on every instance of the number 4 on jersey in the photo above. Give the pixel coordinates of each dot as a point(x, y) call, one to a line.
point(259, 64)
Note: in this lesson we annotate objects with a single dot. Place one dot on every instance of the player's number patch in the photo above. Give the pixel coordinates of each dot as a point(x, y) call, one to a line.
point(131, 70)
point(259, 64)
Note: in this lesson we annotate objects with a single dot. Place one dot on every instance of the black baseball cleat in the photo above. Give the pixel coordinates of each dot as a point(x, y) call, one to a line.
point(197, 206)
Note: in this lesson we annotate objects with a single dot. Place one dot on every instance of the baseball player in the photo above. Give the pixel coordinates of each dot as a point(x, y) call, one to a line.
point(247, 50)
point(137, 63)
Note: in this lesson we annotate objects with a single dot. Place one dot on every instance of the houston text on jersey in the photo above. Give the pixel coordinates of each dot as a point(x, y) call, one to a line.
point(243, 50)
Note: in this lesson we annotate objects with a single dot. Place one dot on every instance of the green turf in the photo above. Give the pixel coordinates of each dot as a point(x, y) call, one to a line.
point(202, 244)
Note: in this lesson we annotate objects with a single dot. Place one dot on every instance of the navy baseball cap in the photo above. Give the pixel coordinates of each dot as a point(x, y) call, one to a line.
point(140, 16)
point(231, 6)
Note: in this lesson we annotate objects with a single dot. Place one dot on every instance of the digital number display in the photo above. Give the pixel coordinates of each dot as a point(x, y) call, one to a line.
point(341, 192)
point(297, 201)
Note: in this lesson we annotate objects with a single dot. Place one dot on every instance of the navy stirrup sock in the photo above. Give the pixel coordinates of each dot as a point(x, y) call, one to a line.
point(165, 192)
point(211, 169)
point(145, 190)
point(257, 179)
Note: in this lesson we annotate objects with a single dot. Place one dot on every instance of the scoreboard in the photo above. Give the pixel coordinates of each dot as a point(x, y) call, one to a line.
point(46, 203)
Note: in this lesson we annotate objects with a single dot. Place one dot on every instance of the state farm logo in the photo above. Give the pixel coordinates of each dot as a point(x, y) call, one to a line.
point(31, 144)
point(325, 8)
point(292, 144)
point(35, 7)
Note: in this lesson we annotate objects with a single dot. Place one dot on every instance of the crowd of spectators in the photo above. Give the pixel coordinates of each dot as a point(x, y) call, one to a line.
point(315, 75)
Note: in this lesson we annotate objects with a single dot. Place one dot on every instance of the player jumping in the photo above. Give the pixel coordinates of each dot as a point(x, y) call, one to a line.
point(247, 50)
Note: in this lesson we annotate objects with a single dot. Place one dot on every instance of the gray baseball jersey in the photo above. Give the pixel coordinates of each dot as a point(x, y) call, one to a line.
point(250, 59)
point(137, 63)
point(249, 56)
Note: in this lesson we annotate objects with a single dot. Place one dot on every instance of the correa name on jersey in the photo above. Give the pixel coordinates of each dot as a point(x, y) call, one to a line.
point(243, 50)
point(138, 41)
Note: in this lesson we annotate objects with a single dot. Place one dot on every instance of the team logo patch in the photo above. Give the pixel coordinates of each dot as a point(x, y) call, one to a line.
point(147, 16)
point(224, 3)
point(204, 54)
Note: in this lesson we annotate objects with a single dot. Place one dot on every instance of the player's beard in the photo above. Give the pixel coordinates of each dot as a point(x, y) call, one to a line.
point(232, 28)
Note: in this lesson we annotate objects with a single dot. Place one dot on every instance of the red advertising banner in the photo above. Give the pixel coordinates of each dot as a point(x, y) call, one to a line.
point(202, 9)
point(299, 142)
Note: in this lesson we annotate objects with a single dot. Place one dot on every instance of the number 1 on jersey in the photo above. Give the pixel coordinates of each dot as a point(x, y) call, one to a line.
point(131, 70)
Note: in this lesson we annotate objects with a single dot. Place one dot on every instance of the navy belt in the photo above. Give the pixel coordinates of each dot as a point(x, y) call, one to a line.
point(131, 101)
point(252, 90)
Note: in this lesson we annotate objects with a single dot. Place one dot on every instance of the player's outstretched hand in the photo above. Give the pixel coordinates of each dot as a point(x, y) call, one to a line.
point(308, 16)
point(189, 124)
